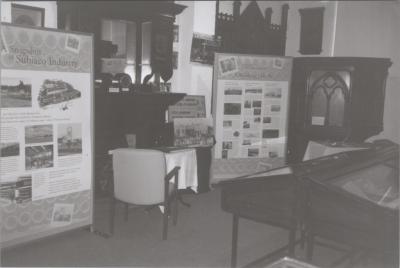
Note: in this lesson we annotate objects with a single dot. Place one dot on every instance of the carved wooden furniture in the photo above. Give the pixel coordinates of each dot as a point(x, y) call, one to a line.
point(251, 32)
point(86, 16)
point(336, 99)
point(140, 110)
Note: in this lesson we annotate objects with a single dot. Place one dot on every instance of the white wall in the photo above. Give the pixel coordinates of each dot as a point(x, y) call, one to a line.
point(372, 29)
point(293, 24)
point(192, 78)
point(50, 11)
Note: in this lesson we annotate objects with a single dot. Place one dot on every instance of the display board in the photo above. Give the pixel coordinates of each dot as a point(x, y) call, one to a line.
point(46, 132)
point(250, 109)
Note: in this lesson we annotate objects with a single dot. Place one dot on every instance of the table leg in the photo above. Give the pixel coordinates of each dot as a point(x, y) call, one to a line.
point(235, 225)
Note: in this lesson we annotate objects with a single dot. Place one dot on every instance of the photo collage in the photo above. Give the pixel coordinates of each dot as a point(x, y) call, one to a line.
point(254, 119)
point(42, 131)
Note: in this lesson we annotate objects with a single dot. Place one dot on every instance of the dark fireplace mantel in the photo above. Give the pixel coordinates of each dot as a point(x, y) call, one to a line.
point(141, 113)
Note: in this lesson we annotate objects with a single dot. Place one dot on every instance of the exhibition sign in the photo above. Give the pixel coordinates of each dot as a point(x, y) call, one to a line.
point(46, 132)
point(250, 109)
point(191, 106)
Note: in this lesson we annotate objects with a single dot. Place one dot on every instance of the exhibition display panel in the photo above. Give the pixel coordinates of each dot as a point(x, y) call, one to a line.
point(46, 132)
point(250, 110)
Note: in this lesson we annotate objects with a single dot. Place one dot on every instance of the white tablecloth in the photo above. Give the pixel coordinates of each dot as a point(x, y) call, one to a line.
point(187, 160)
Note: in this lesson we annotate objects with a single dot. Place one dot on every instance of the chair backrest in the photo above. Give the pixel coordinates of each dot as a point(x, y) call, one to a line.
point(139, 175)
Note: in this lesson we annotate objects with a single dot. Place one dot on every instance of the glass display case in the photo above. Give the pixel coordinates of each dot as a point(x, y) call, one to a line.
point(378, 184)
point(353, 198)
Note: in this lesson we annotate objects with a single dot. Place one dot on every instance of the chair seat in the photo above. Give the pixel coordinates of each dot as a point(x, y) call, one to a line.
point(141, 178)
point(170, 190)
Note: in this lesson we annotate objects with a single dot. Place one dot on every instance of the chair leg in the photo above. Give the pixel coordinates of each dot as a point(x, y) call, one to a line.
point(302, 236)
point(165, 220)
point(235, 225)
point(126, 211)
point(175, 212)
point(112, 214)
point(309, 246)
point(292, 241)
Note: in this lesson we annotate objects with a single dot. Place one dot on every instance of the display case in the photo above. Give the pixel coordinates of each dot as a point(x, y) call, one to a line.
point(349, 197)
point(353, 198)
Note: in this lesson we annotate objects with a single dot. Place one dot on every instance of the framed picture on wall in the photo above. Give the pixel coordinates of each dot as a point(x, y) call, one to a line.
point(311, 31)
point(27, 15)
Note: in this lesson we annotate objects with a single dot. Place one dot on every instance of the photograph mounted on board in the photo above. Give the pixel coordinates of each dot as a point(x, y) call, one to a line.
point(16, 92)
point(228, 65)
point(38, 133)
point(62, 214)
point(69, 139)
point(27, 15)
point(203, 48)
point(55, 91)
point(232, 108)
point(17, 191)
point(37, 157)
point(9, 149)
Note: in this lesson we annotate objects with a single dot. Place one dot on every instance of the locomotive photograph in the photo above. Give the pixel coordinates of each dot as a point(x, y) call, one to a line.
point(17, 191)
point(55, 91)
point(16, 92)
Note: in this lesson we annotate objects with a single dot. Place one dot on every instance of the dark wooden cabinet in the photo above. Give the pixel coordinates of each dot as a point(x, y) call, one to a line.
point(336, 99)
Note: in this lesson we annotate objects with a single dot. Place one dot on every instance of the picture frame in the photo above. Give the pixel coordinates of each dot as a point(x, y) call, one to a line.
point(311, 30)
point(27, 15)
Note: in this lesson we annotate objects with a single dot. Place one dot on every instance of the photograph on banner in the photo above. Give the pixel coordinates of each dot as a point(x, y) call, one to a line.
point(57, 92)
point(228, 65)
point(271, 122)
point(39, 157)
point(62, 214)
point(16, 189)
point(16, 92)
point(69, 139)
point(232, 123)
point(9, 149)
point(38, 133)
